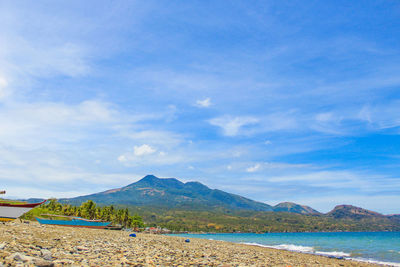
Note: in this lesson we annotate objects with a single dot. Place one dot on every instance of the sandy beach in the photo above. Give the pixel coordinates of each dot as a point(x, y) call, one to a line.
point(23, 244)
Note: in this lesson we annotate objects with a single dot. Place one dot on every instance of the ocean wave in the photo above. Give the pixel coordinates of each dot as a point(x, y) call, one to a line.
point(385, 263)
point(289, 247)
point(304, 249)
point(334, 254)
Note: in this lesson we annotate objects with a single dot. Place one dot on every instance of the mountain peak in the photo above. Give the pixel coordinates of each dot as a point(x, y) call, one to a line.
point(345, 211)
point(149, 177)
point(155, 182)
point(293, 207)
point(170, 192)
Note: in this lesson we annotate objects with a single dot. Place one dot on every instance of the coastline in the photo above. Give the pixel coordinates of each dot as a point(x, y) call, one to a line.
point(371, 247)
point(337, 255)
point(33, 244)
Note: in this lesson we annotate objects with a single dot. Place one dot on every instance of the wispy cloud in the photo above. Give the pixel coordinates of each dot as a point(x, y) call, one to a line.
point(127, 90)
point(4, 90)
point(143, 150)
point(254, 168)
point(232, 126)
point(205, 103)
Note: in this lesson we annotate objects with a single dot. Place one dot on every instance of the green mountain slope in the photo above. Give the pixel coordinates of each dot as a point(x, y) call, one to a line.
point(294, 208)
point(171, 193)
point(193, 206)
point(259, 221)
point(352, 212)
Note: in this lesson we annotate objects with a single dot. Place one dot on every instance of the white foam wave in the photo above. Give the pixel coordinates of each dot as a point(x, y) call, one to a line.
point(289, 247)
point(385, 263)
point(304, 249)
point(336, 254)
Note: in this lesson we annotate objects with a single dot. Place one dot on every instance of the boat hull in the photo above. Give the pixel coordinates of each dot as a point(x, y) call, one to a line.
point(9, 212)
point(75, 223)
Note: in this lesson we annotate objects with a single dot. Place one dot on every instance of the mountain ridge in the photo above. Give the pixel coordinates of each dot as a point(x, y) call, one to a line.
point(350, 211)
point(294, 208)
point(172, 193)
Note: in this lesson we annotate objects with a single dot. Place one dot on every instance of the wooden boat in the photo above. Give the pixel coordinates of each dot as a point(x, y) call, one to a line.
point(73, 222)
point(11, 210)
point(114, 227)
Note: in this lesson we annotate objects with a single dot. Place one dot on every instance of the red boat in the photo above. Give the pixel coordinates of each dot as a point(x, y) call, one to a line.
point(11, 210)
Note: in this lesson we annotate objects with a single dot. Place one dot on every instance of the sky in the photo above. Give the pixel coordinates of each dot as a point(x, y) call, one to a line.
point(272, 100)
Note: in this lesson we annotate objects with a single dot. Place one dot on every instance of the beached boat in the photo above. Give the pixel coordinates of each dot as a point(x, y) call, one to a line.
point(74, 222)
point(11, 210)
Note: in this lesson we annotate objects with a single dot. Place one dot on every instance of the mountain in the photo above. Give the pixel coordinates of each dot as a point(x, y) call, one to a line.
point(171, 193)
point(192, 206)
point(352, 212)
point(294, 208)
point(394, 217)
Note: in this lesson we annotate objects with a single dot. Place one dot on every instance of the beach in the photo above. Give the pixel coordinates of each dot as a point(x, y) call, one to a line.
point(30, 244)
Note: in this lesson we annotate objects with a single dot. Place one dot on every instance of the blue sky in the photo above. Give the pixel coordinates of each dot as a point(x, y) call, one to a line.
point(272, 100)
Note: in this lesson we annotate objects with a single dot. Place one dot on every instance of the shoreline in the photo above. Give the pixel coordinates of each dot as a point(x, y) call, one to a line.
point(63, 246)
point(296, 247)
point(326, 254)
point(307, 250)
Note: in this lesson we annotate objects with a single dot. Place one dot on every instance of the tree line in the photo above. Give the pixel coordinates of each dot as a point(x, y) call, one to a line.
point(89, 210)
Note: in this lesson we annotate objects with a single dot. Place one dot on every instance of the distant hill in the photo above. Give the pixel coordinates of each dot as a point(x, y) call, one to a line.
point(294, 208)
point(348, 211)
point(171, 193)
point(394, 217)
point(192, 206)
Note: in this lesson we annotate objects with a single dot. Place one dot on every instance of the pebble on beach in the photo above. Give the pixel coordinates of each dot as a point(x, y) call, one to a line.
point(35, 245)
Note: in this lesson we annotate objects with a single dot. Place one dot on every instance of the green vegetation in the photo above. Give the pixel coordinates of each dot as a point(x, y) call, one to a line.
point(88, 210)
point(192, 206)
point(10, 201)
point(219, 219)
point(259, 222)
point(170, 192)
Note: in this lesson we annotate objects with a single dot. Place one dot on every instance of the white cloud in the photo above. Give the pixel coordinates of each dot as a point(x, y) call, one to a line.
point(48, 123)
point(254, 168)
point(205, 103)
point(122, 158)
point(147, 156)
point(316, 177)
point(237, 154)
point(345, 179)
point(158, 137)
point(232, 126)
point(381, 116)
point(4, 90)
point(96, 110)
point(143, 150)
point(324, 117)
point(274, 165)
point(47, 183)
point(386, 204)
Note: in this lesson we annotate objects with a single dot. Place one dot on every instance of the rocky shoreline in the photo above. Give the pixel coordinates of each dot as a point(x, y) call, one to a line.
point(23, 244)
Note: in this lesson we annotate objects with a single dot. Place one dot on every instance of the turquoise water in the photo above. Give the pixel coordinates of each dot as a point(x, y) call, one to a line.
point(379, 247)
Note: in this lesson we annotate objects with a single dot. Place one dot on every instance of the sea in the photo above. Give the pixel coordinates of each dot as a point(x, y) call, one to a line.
point(374, 247)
